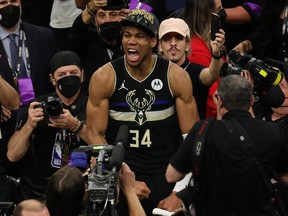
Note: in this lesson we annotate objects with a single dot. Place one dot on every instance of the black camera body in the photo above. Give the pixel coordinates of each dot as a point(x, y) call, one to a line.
point(264, 75)
point(52, 107)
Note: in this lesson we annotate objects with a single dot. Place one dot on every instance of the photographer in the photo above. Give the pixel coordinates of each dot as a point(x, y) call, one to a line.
point(46, 134)
point(233, 170)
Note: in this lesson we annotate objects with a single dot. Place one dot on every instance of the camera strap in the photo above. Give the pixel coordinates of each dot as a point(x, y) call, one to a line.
point(241, 137)
point(189, 194)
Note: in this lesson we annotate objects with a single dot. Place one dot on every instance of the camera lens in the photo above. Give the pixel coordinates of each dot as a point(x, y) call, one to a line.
point(54, 107)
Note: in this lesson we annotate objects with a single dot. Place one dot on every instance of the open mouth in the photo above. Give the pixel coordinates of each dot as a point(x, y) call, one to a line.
point(133, 55)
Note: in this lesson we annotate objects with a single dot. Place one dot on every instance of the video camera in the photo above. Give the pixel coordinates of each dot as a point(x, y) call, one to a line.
point(264, 75)
point(102, 181)
point(52, 107)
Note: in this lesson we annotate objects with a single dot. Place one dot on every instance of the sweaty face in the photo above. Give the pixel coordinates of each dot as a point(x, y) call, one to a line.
point(173, 46)
point(137, 45)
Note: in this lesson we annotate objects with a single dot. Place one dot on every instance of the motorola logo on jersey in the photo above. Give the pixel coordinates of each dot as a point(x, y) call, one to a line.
point(140, 105)
point(157, 84)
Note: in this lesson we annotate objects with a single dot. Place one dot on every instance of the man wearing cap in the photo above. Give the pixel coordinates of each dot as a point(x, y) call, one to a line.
point(96, 35)
point(46, 140)
point(149, 94)
point(174, 40)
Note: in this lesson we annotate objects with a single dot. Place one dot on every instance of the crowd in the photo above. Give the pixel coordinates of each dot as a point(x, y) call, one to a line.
point(206, 117)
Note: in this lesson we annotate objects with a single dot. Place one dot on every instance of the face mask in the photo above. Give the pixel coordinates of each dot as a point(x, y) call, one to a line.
point(69, 85)
point(274, 97)
point(110, 30)
point(9, 16)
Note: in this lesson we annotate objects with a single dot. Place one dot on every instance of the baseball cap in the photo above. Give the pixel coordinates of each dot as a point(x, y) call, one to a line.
point(64, 58)
point(174, 25)
point(143, 19)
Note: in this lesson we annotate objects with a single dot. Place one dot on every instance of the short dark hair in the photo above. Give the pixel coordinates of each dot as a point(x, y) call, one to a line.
point(235, 92)
point(65, 192)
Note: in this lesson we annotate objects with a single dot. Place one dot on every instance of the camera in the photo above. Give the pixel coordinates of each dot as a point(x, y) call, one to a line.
point(52, 107)
point(103, 178)
point(264, 75)
point(116, 4)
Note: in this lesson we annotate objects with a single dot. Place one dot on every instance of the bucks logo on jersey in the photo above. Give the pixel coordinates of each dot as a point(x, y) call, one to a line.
point(140, 105)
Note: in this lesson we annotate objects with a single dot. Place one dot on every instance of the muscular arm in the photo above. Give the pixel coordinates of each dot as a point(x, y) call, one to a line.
point(9, 97)
point(101, 88)
point(186, 107)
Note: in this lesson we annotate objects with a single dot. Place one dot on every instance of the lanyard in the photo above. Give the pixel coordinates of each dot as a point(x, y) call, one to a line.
point(22, 40)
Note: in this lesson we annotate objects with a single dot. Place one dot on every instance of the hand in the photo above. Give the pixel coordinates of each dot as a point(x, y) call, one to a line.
point(6, 114)
point(127, 178)
point(96, 4)
point(65, 121)
point(218, 43)
point(35, 114)
point(246, 74)
point(142, 190)
point(170, 203)
point(240, 48)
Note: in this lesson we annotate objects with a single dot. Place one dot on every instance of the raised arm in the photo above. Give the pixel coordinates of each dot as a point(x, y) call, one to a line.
point(19, 142)
point(101, 88)
point(209, 75)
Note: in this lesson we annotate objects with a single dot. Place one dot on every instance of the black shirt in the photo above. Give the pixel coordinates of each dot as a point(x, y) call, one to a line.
point(93, 51)
point(231, 184)
point(43, 156)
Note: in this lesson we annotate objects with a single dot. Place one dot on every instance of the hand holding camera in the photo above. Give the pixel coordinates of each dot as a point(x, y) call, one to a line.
point(65, 121)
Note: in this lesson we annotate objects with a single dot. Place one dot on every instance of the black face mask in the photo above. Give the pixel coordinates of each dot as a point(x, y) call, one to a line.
point(274, 97)
point(110, 30)
point(69, 85)
point(9, 16)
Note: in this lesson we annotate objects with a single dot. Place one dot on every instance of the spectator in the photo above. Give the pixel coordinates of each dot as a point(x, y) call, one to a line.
point(96, 36)
point(31, 207)
point(242, 18)
point(65, 192)
point(231, 182)
point(27, 71)
point(63, 14)
point(152, 96)
point(46, 138)
point(174, 40)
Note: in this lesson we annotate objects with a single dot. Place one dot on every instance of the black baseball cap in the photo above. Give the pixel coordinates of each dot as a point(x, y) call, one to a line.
point(143, 19)
point(64, 58)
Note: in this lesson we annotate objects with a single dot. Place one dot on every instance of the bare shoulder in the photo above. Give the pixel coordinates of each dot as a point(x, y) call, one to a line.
point(178, 78)
point(176, 72)
point(103, 80)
